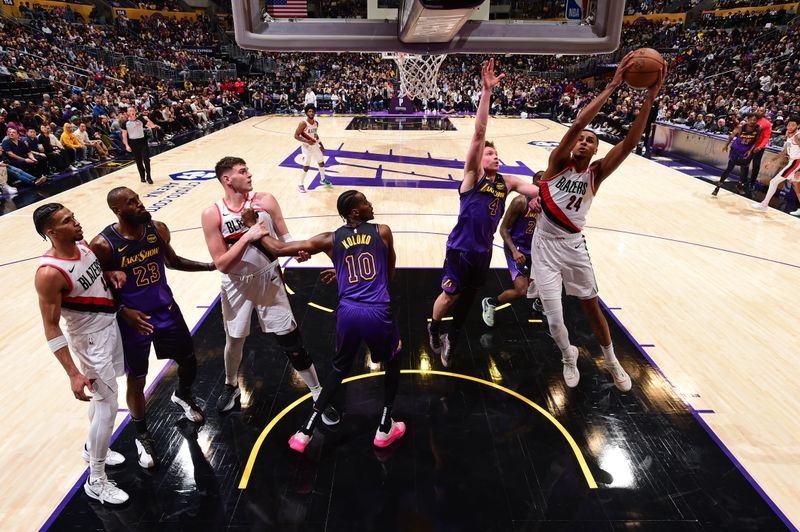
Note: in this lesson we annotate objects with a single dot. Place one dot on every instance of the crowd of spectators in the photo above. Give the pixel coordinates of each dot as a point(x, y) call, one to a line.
point(716, 77)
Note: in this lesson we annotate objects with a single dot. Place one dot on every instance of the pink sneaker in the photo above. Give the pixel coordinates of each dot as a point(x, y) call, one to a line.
point(299, 442)
point(382, 439)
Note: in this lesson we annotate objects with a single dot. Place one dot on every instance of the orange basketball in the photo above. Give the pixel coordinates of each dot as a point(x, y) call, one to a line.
point(643, 73)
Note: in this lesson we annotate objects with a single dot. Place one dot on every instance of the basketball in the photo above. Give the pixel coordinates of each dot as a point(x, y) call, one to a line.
point(643, 73)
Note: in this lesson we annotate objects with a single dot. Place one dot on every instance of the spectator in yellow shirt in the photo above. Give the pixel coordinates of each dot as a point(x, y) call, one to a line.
point(70, 141)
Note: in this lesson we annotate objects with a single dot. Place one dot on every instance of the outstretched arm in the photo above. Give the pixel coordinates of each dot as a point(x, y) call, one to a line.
point(175, 262)
point(620, 152)
point(473, 167)
point(559, 158)
point(522, 186)
point(322, 243)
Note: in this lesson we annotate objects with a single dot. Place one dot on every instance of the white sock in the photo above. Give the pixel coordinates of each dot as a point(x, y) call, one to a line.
point(303, 178)
point(310, 378)
point(608, 354)
point(234, 347)
point(102, 412)
point(321, 173)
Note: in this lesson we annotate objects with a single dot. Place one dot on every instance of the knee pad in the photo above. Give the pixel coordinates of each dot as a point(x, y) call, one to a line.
point(292, 345)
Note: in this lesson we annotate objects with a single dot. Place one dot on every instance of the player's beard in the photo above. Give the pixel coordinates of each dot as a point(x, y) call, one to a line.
point(140, 218)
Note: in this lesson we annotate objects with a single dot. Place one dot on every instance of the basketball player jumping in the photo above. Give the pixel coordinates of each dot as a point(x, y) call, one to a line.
point(140, 247)
point(790, 163)
point(364, 259)
point(482, 194)
point(70, 282)
point(516, 231)
point(560, 255)
point(252, 278)
point(311, 147)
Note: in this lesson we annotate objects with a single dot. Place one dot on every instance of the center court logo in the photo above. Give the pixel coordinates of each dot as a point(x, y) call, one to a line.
point(348, 168)
point(194, 175)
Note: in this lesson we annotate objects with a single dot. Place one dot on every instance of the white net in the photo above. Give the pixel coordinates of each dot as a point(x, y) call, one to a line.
point(418, 73)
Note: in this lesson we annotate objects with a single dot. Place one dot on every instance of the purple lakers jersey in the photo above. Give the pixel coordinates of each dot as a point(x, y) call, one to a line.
point(142, 260)
point(479, 215)
point(522, 229)
point(361, 260)
point(742, 144)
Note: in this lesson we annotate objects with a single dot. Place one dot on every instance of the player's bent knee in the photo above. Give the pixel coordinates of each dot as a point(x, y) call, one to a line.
point(292, 345)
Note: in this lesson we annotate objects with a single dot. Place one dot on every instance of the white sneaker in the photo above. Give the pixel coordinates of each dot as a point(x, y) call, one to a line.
point(105, 491)
point(795, 213)
point(758, 206)
point(146, 451)
point(190, 408)
point(301, 189)
point(488, 312)
point(621, 378)
point(571, 374)
point(113, 458)
point(7, 190)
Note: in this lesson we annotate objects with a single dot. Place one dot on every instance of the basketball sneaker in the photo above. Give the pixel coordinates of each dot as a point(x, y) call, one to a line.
point(385, 439)
point(190, 408)
point(537, 305)
point(330, 416)
point(758, 206)
point(327, 183)
point(448, 346)
point(146, 449)
point(488, 312)
point(299, 441)
point(715, 191)
point(113, 458)
point(621, 378)
point(571, 374)
point(105, 491)
point(434, 341)
point(795, 212)
point(227, 399)
point(301, 189)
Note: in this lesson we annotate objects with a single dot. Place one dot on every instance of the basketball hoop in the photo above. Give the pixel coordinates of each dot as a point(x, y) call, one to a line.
point(418, 73)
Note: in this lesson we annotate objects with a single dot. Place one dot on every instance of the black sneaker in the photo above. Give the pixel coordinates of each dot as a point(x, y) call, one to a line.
point(227, 399)
point(146, 450)
point(434, 341)
point(330, 416)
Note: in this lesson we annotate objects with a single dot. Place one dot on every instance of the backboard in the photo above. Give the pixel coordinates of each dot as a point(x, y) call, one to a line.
point(494, 26)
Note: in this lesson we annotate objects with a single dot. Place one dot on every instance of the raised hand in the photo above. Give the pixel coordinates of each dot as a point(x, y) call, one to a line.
point(624, 65)
point(489, 77)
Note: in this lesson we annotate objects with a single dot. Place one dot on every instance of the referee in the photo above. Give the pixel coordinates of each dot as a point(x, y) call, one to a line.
point(136, 142)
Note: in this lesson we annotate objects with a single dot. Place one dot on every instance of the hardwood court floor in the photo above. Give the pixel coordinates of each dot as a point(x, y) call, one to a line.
point(705, 283)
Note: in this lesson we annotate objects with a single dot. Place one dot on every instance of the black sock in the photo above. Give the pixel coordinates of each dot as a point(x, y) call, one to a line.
point(435, 327)
point(452, 336)
point(386, 419)
point(184, 392)
point(140, 425)
point(493, 301)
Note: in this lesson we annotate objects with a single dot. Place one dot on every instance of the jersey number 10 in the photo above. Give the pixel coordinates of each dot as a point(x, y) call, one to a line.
point(360, 268)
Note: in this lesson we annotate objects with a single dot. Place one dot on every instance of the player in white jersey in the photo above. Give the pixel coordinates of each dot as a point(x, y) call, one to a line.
point(311, 147)
point(559, 249)
point(70, 283)
point(789, 161)
point(252, 278)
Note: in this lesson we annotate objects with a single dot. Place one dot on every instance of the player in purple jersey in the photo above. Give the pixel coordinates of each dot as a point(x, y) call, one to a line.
point(482, 196)
point(741, 152)
point(139, 246)
point(516, 230)
point(364, 260)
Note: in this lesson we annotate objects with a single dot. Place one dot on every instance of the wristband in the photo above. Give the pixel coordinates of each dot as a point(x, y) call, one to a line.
point(57, 343)
point(287, 238)
point(211, 267)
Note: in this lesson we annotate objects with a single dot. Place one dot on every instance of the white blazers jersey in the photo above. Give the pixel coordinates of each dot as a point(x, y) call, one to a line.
point(566, 198)
point(793, 147)
point(256, 258)
point(88, 306)
point(311, 129)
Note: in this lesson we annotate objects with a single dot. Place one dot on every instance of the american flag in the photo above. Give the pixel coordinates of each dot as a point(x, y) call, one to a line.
point(287, 8)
